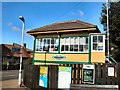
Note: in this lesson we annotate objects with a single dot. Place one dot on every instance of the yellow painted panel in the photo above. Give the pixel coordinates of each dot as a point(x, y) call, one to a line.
point(68, 57)
point(98, 57)
point(38, 56)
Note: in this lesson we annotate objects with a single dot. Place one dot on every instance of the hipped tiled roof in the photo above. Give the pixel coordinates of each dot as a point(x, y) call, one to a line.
point(68, 25)
point(6, 50)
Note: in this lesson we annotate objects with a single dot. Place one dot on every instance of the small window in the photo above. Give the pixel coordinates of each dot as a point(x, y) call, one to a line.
point(94, 38)
point(97, 44)
point(100, 39)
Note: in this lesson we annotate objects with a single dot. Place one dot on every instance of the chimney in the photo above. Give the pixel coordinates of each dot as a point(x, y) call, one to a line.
point(24, 45)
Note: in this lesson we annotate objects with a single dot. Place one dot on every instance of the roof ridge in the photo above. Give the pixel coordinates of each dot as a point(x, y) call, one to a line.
point(87, 23)
point(69, 21)
point(64, 25)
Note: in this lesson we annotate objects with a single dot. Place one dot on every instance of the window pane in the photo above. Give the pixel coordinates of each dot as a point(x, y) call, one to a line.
point(37, 45)
point(94, 38)
point(76, 48)
point(67, 41)
point(56, 45)
point(66, 47)
point(85, 48)
point(80, 47)
point(71, 47)
point(62, 41)
point(56, 48)
point(94, 46)
point(100, 38)
point(77, 40)
point(62, 48)
point(86, 40)
point(82, 40)
point(45, 46)
point(52, 47)
point(56, 42)
point(52, 41)
point(100, 47)
point(72, 41)
point(40, 42)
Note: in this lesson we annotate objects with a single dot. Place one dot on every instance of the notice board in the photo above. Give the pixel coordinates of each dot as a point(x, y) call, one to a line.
point(64, 77)
point(43, 78)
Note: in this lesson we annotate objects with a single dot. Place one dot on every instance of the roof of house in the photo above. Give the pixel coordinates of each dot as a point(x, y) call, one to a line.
point(68, 25)
point(7, 51)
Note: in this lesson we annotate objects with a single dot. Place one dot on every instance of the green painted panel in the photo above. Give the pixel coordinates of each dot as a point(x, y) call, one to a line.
point(60, 62)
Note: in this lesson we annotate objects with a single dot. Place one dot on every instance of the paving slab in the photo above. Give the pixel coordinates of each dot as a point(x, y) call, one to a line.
point(12, 85)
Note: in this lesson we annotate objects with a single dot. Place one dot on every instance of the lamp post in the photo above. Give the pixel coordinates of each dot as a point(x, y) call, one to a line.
point(22, 42)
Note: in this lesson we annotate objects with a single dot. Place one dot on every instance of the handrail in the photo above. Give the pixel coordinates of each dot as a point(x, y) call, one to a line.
point(112, 59)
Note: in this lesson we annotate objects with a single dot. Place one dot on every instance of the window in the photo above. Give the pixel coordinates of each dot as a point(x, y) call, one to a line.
point(15, 50)
point(74, 44)
point(97, 43)
point(47, 44)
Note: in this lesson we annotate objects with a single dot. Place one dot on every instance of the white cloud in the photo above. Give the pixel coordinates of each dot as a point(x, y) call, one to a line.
point(10, 24)
point(78, 13)
point(81, 13)
point(13, 27)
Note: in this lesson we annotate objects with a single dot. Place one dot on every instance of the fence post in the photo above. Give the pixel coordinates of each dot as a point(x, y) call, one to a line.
point(118, 74)
point(31, 76)
point(53, 76)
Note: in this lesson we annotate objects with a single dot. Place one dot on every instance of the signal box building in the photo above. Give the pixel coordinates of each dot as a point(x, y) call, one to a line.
point(71, 42)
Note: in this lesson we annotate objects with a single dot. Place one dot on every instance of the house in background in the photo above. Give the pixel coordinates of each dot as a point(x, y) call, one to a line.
point(11, 53)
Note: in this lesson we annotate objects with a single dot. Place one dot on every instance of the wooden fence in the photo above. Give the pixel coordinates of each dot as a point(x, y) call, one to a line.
point(31, 75)
point(101, 74)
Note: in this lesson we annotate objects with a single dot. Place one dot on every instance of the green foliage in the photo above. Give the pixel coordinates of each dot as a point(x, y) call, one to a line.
point(114, 26)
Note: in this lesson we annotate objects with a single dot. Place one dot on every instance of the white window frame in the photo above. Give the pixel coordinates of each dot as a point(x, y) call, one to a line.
point(43, 45)
point(74, 44)
point(97, 43)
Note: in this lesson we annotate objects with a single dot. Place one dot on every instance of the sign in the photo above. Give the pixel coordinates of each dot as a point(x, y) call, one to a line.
point(59, 57)
point(88, 75)
point(64, 77)
point(110, 71)
point(43, 79)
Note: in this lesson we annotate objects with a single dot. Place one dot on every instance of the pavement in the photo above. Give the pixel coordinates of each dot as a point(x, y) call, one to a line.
point(12, 85)
point(9, 74)
point(9, 80)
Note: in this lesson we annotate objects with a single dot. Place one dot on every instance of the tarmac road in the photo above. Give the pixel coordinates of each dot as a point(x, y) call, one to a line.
point(9, 80)
point(9, 74)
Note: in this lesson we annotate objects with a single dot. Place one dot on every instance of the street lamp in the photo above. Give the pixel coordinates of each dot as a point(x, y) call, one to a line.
point(22, 42)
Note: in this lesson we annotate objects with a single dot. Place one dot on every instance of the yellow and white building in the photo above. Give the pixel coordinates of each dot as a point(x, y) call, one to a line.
point(70, 42)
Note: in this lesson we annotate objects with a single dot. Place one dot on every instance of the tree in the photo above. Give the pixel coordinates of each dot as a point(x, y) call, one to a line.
point(114, 26)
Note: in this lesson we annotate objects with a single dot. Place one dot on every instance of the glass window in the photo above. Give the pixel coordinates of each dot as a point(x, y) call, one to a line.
point(76, 48)
point(94, 38)
point(47, 44)
point(74, 44)
point(100, 39)
point(97, 44)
